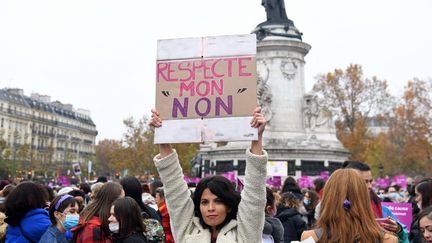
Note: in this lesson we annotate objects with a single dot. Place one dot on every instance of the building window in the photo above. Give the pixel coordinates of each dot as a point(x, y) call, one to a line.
point(312, 168)
point(241, 167)
point(2, 122)
point(291, 168)
point(224, 166)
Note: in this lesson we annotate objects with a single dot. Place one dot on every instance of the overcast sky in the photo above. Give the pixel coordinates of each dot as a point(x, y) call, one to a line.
point(100, 54)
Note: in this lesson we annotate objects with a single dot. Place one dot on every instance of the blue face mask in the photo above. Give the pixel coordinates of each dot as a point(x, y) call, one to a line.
point(393, 195)
point(70, 221)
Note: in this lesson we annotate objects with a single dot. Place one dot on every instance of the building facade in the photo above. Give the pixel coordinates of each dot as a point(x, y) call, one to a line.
point(36, 132)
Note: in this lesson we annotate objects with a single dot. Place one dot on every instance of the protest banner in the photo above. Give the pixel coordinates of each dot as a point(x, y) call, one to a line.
point(402, 211)
point(206, 89)
point(277, 168)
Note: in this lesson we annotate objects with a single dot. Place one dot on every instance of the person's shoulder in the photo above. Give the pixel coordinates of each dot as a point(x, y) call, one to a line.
point(48, 236)
point(390, 238)
point(309, 233)
point(137, 237)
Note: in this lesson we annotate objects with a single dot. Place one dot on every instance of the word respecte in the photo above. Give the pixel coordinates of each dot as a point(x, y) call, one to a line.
point(188, 70)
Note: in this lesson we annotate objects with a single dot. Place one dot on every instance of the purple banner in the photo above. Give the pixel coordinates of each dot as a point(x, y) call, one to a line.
point(64, 181)
point(305, 182)
point(277, 181)
point(402, 211)
point(239, 185)
point(400, 180)
point(324, 175)
point(195, 180)
point(231, 176)
point(382, 183)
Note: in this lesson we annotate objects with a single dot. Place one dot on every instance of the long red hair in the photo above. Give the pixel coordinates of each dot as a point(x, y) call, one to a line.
point(343, 223)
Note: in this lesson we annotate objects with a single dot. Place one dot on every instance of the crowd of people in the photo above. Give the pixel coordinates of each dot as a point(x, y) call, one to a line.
point(345, 208)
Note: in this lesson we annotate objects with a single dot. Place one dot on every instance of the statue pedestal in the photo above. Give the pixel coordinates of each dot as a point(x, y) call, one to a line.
point(299, 131)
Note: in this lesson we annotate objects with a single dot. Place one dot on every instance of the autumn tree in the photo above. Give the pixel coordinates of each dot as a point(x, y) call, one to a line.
point(353, 99)
point(108, 156)
point(411, 130)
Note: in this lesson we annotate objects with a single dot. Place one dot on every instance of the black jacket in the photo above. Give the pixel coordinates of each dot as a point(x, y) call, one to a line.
point(136, 237)
point(274, 227)
point(292, 222)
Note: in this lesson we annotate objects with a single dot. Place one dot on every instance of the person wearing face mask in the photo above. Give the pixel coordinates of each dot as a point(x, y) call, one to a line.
point(125, 222)
point(64, 216)
point(93, 225)
point(423, 198)
point(310, 201)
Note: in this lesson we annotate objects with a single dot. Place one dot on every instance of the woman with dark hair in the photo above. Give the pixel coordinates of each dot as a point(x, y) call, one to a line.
point(273, 228)
point(93, 224)
point(151, 217)
point(64, 216)
point(425, 224)
point(423, 198)
point(26, 216)
point(310, 201)
point(289, 183)
point(346, 212)
point(216, 214)
point(132, 188)
point(125, 221)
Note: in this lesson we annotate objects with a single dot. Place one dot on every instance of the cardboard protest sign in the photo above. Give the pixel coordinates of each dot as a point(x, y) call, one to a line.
point(206, 89)
point(76, 168)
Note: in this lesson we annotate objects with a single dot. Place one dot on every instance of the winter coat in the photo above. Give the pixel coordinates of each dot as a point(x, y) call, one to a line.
point(186, 228)
point(34, 224)
point(292, 222)
point(274, 227)
point(90, 232)
point(134, 238)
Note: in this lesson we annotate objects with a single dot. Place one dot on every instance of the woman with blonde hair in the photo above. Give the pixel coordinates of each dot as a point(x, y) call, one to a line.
point(346, 214)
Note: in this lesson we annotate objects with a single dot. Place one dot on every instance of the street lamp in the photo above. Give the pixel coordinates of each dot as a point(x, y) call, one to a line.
point(15, 146)
point(381, 170)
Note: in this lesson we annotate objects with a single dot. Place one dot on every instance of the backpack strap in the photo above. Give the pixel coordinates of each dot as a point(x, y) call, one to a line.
point(318, 233)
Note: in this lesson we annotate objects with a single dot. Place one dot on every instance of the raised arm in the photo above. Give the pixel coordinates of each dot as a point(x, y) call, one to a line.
point(250, 215)
point(179, 203)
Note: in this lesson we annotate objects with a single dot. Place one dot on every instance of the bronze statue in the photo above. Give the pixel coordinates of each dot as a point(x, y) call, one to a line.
point(275, 10)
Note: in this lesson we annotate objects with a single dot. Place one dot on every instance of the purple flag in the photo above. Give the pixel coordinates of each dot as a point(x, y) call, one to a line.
point(277, 181)
point(400, 180)
point(305, 182)
point(229, 175)
point(324, 175)
point(382, 182)
point(195, 180)
point(63, 180)
point(239, 185)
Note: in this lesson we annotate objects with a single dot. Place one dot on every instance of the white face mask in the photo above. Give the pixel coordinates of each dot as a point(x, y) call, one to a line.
point(419, 206)
point(114, 227)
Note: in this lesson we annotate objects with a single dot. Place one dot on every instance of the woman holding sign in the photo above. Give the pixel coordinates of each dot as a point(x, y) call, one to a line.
point(216, 212)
